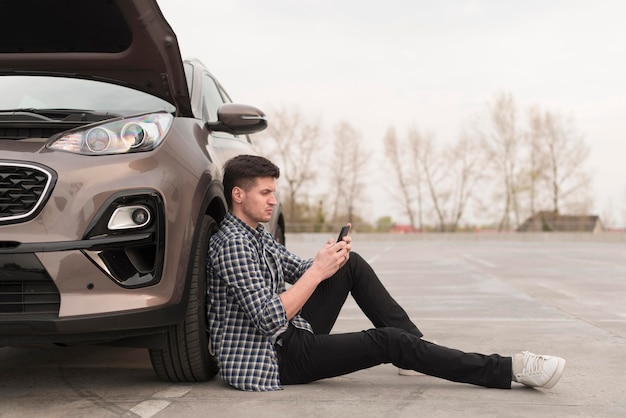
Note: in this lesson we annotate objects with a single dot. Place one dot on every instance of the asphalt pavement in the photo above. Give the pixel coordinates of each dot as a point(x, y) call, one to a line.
point(563, 295)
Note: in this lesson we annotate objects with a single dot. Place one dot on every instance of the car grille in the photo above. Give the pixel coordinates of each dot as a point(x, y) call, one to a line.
point(23, 133)
point(26, 287)
point(23, 188)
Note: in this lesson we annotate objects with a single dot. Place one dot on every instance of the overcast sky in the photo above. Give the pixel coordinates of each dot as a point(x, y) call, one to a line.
point(433, 64)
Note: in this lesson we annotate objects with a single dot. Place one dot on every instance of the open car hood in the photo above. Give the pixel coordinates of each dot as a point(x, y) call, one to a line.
point(126, 42)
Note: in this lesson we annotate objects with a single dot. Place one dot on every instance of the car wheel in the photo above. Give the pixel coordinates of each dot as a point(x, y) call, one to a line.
point(185, 356)
point(279, 234)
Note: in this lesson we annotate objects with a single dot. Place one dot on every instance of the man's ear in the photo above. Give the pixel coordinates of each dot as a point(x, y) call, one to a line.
point(237, 194)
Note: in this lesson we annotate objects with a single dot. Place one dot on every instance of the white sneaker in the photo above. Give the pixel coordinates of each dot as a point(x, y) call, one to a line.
point(537, 370)
point(409, 372)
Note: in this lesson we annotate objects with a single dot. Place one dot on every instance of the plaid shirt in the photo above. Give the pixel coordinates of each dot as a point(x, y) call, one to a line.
point(246, 273)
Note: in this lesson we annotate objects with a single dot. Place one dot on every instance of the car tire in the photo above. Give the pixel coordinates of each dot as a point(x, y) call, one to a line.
point(184, 356)
point(279, 235)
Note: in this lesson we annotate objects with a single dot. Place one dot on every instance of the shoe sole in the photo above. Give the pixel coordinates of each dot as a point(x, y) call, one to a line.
point(408, 372)
point(556, 376)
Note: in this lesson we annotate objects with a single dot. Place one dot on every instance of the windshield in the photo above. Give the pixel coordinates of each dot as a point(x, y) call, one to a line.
point(38, 92)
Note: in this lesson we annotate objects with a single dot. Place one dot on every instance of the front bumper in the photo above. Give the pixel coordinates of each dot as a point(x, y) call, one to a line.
point(105, 283)
point(98, 284)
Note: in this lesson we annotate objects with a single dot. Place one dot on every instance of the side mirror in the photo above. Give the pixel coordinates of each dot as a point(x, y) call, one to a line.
point(238, 119)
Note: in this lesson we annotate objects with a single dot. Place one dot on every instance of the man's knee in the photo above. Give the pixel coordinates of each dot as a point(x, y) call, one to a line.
point(351, 268)
point(391, 337)
point(395, 345)
point(355, 258)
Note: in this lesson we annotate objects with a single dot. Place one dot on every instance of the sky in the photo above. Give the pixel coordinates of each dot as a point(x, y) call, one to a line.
point(430, 64)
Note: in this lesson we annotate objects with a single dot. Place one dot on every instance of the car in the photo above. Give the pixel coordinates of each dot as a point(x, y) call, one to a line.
point(111, 156)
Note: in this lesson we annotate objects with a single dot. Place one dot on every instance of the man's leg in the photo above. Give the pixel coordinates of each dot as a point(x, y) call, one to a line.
point(356, 277)
point(306, 357)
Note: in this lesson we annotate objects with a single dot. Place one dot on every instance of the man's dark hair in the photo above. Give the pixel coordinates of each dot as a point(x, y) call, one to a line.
point(243, 170)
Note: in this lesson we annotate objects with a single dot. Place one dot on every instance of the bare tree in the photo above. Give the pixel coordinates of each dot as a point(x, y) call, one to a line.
point(395, 154)
point(451, 176)
point(537, 165)
point(417, 145)
point(435, 176)
point(448, 177)
point(295, 142)
point(466, 163)
point(502, 143)
point(567, 154)
point(348, 170)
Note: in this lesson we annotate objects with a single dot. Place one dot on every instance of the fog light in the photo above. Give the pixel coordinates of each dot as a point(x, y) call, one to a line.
point(129, 217)
point(140, 216)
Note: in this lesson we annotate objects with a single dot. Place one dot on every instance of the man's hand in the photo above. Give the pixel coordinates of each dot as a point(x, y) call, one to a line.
point(328, 260)
point(331, 258)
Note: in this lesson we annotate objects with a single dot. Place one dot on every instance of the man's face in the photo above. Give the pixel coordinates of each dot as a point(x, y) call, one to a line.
point(257, 203)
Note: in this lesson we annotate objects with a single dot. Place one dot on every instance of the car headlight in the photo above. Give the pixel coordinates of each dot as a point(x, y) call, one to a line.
point(119, 136)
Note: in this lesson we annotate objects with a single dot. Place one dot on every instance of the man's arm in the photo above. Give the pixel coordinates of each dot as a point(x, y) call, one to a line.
point(326, 263)
point(236, 263)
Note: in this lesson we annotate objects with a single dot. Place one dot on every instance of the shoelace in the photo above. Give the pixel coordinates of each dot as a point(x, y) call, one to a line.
point(532, 363)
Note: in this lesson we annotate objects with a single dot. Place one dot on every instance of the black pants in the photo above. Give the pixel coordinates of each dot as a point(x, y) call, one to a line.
point(305, 357)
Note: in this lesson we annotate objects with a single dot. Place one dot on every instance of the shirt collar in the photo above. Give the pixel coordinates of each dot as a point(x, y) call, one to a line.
point(254, 233)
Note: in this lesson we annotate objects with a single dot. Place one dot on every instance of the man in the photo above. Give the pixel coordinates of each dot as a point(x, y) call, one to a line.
point(265, 336)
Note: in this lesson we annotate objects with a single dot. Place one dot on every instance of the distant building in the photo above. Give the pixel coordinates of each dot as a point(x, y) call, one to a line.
point(549, 221)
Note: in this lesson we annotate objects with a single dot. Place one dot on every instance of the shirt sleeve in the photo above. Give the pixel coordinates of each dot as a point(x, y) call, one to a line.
point(239, 267)
point(293, 266)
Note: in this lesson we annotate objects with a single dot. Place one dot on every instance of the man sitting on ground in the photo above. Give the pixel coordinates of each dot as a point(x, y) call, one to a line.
point(265, 336)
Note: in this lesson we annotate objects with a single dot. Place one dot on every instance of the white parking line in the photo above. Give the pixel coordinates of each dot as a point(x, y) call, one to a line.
point(582, 260)
point(149, 408)
point(158, 402)
point(371, 260)
point(478, 260)
point(173, 392)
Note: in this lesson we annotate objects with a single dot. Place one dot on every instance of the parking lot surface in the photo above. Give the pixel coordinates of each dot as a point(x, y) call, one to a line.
point(562, 295)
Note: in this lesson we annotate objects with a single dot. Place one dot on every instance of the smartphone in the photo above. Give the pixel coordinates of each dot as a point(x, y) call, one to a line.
point(344, 231)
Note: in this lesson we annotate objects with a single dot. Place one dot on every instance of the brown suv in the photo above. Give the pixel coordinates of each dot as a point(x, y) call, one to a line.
point(111, 154)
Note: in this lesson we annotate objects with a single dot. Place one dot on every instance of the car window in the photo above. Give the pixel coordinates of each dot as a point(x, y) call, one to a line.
point(41, 92)
point(224, 95)
point(211, 99)
point(213, 96)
